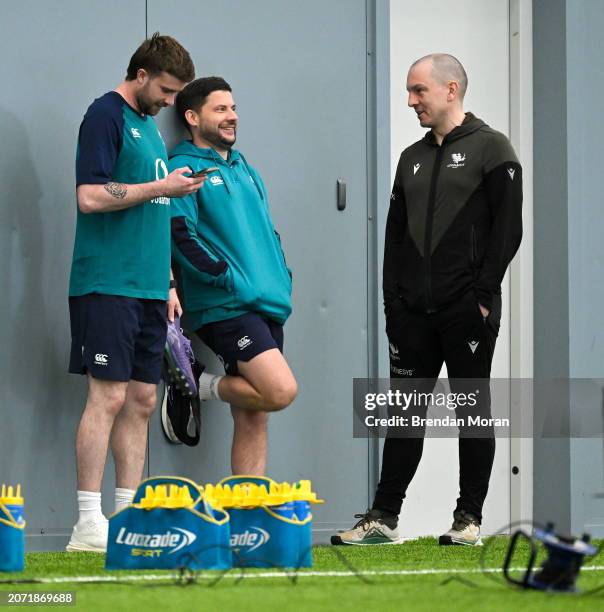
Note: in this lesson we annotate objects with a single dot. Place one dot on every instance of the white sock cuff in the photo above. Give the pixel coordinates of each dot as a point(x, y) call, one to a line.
point(214, 387)
point(125, 493)
point(89, 501)
point(89, 494)
point(123, 497)
point(208, 386)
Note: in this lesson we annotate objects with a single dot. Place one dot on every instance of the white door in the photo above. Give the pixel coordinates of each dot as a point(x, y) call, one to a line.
point(477, 33)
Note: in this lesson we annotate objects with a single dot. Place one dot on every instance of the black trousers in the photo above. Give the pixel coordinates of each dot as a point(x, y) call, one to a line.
point(459, 336)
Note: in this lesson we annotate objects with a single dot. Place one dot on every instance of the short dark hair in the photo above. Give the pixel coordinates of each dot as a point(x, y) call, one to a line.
point(162, 54)
point(195, 94)
point(445, 68)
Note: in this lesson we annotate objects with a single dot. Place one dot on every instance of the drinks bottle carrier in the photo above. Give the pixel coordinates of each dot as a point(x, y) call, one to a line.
point(269, 526)
point(169, 525)
point(12, 531)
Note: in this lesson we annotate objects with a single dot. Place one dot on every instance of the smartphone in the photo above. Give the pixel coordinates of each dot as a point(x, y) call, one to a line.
point(202, 172)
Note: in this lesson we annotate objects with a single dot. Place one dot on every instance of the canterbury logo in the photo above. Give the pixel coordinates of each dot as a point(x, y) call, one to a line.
point(101, 359)
point(243, 342)
point(511, 172)
point(135, 133)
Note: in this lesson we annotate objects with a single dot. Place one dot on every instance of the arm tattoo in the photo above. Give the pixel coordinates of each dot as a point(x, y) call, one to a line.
point(117, 190)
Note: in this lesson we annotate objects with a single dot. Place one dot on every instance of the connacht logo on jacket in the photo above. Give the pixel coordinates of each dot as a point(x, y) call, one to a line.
point(458, 160)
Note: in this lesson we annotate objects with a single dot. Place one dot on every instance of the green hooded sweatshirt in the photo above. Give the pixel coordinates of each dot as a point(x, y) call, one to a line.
point(226, 249)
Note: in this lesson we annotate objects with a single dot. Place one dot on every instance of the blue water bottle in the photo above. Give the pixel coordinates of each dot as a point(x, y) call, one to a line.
point(12, 530)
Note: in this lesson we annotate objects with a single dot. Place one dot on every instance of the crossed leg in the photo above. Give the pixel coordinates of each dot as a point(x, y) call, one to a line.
point(265, 384)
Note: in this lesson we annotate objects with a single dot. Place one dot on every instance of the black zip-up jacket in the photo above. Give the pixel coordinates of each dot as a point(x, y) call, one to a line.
point(455, 219)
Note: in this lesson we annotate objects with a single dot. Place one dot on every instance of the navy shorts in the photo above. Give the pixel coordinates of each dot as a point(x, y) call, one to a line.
point(117, 338)
point(241, 338)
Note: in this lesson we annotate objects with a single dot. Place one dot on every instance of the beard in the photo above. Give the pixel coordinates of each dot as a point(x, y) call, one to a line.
point(213, 136)
point(146, 105)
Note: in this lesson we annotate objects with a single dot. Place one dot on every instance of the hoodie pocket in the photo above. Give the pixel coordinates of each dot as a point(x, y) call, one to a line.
point(198, 258)
point(224, 279)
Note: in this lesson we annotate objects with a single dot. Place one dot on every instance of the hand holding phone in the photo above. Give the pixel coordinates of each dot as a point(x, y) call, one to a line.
point(202, 172)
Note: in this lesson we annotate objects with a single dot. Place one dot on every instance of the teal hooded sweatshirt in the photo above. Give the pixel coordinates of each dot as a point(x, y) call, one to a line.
point(226, 249)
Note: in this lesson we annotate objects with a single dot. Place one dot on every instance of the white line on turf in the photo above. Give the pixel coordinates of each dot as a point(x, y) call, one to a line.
point(238, 574)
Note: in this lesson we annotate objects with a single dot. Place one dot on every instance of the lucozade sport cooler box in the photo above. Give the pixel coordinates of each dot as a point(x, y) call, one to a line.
point(243, 521)
point(169, 525)
point(269, 527)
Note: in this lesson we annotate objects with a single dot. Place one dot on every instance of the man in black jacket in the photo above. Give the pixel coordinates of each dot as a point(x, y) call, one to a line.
point(454, 225)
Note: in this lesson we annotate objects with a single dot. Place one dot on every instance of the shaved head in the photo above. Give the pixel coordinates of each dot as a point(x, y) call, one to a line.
point(446, 68)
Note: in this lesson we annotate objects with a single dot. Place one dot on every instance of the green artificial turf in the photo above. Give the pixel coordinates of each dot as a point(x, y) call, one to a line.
point(449, 590)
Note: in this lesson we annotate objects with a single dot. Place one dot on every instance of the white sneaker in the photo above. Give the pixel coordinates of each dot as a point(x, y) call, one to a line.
point(90, 536)
point(465, 531)
point(373, 528)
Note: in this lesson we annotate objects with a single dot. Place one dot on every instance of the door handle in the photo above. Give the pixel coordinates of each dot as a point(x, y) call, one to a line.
point(341, 194)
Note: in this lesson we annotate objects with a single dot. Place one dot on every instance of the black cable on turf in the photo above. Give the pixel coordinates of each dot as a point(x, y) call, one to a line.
point(193, 575)
point(267, 564)
point(464, 581)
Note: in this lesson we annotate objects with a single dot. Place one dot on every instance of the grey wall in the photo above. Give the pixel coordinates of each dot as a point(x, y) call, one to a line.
point(57, 56)
point(303, 108)
point(568, 246)
point(307, 93)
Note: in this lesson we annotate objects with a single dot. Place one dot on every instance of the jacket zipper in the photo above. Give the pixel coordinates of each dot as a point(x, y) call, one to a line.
point(429, 221)
point(473, 252)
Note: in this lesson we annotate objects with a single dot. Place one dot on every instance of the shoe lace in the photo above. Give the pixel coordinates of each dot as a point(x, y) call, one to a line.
point(461, 520)
point(366, 519)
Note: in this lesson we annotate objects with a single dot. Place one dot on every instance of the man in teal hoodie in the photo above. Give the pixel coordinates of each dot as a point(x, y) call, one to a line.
point(232, 275)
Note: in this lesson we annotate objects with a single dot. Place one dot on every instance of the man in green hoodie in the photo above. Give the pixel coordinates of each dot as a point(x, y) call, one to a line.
point(232, 275)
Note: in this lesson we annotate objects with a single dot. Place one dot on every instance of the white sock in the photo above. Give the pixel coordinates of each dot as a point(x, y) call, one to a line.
point(123, 497)
point(208, 386)
point(89, 506)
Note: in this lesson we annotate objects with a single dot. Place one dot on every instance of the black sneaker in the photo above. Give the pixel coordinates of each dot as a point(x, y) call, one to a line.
point(375, 527)
point(180, 413)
